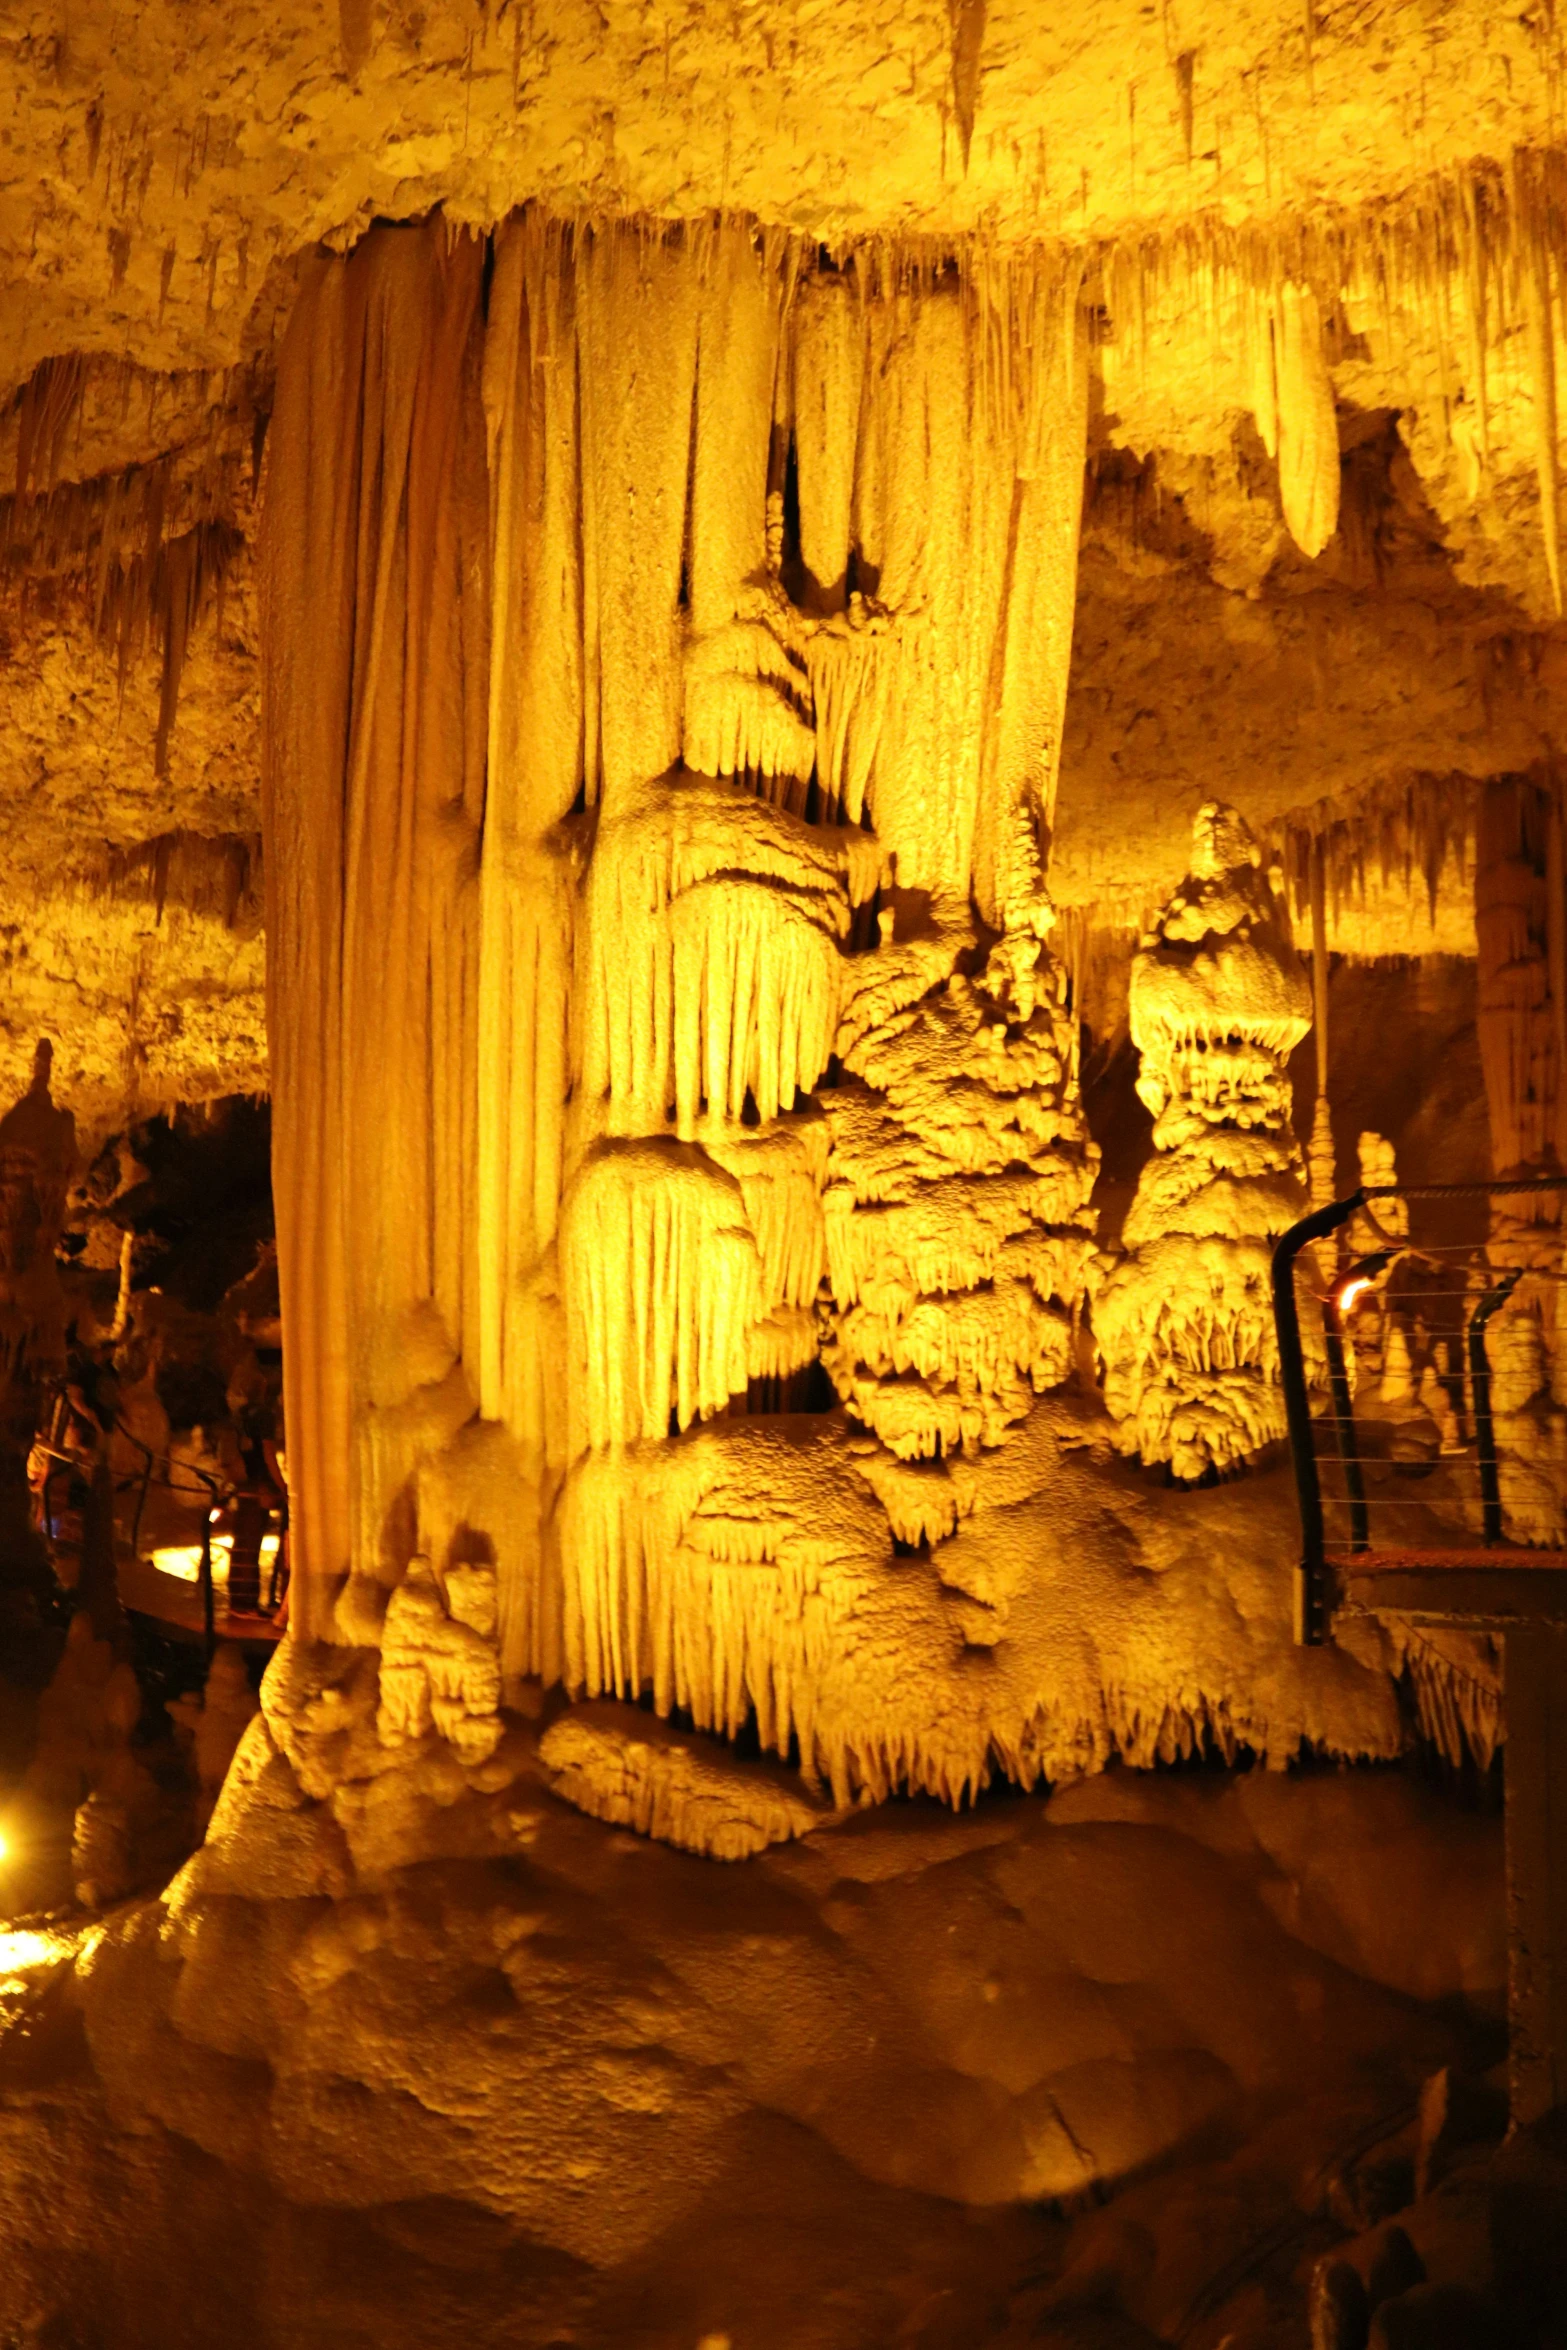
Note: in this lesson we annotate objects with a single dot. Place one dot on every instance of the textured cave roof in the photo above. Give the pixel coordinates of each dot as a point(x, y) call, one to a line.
point(163, 167)
point(161, 155)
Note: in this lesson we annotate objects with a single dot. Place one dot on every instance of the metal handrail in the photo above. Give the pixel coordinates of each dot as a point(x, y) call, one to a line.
point(213, 1491)
point(1314, 1581)
point(1311, 1595)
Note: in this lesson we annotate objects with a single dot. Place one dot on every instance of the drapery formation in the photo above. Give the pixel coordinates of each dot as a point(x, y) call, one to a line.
point(375, 620)
point(644, 612)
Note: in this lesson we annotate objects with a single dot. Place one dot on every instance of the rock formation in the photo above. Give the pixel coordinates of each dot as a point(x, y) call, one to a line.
point(626, 615)
point(1184, 1321)
point(37, 1161)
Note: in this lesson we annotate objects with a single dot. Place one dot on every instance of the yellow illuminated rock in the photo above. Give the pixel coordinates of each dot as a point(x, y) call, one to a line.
point(675, 683)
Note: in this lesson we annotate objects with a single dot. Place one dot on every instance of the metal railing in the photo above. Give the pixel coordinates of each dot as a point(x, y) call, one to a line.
point(213, 1493)
point(1453, 1284)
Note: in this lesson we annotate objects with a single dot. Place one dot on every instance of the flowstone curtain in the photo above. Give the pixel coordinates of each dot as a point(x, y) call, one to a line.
point(374, 580)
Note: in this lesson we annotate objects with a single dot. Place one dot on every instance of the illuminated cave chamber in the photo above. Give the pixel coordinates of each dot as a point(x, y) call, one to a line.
point(667, 635)
point(894, 686)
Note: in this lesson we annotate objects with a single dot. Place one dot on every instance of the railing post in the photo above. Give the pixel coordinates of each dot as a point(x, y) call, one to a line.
point(1344, 1424)
point(208, 1600)
point(1311, 1586)
point(1485, 1425)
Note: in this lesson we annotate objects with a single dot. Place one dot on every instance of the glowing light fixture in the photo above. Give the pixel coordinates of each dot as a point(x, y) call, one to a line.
point(1359, 1279)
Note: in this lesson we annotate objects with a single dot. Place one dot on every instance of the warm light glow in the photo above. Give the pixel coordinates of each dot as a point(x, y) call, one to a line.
point(1351, 1291)
point(22, 1950)
point(5, 1845)
point(183, 1559)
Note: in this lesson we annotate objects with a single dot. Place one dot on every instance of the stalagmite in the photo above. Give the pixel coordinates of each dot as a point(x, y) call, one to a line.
point(438, 1661)
point(958, 1180)
point(37, 1161)
point(968, 493)
point(747, 692)
point(1184, 1320)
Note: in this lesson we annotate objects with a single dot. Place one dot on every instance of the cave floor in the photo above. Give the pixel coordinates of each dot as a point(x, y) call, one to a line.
point(1106, 2067)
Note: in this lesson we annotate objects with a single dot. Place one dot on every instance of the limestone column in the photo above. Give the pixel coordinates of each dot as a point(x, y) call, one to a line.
point(37, 1161)
point(375, 623)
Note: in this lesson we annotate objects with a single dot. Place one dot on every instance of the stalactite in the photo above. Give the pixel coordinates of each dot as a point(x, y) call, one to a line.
point(743, 1575)
point(737, 1574)
point(1420, 827)
point(1184, 1320)
point(1460, 277)
point(1262, 351)
point(747, 710)
point(46, 406)
point(739, 299)
point(851, 665)
point(967, 498)
point(1534, 271)
point(536, 764)
point(1456, 1681)
point(1474, 270)
point(141, 580)
point(747, 690)
point(780, 1168)
point(213, 874)
point(663, 1284)
point(829, 347)
point(1307, 425)
point(709, 959)
point(638, 298)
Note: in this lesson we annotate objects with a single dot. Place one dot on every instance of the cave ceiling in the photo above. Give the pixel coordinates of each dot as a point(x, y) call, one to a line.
point(161, 158)
point(164, 168)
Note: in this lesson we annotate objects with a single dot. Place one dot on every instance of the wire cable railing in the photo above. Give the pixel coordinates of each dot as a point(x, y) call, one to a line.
point(213, 1493)
point(1352, 1479)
